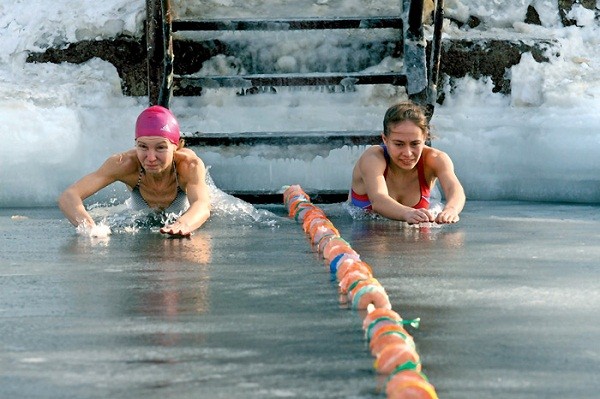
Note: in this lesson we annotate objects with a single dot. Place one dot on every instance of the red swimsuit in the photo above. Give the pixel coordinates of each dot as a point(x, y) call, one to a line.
point(362, 200)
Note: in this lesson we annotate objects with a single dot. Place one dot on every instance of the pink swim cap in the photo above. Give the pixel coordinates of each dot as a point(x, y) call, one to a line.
point(157, 121)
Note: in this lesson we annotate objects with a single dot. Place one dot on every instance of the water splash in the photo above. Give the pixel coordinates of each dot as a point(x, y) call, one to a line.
point(99, 231)
point(114, 216)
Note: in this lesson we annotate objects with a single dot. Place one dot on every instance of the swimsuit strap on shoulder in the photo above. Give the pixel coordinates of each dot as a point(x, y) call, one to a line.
point(176, 176)
point(386, 155)
point(139, 177)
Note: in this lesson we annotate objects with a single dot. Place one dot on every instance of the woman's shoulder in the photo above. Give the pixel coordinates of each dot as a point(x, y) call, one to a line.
point(187, 161)
point(123, 166)
point(123, 163)
point(372, 160)
point(186, 156)
point(431, 153)
point(374, 152)
point(435, 158)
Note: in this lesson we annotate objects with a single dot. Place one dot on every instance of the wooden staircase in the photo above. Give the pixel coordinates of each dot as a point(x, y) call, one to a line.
point(421, 66)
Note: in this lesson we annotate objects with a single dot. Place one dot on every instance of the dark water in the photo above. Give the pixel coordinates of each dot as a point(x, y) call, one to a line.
point(508, 298)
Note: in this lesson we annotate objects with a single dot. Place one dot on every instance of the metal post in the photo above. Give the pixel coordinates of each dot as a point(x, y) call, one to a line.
point(415, 60)
point(436, 47)
point(415, 19)
point(154, 49)
point(166, 81)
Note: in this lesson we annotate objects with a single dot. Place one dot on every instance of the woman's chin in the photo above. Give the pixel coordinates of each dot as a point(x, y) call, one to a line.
point(153, 168)
point(407, 165)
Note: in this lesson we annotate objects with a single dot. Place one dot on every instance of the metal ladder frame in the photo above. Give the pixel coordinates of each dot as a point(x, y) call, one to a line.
point(420, 76)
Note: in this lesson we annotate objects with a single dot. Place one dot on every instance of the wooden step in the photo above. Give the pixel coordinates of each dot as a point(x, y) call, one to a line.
point(381, 22)
point(291, 79)
point(332, 139)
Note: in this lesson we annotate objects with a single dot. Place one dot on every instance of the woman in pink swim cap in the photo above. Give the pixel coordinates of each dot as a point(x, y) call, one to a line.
point(161, 174)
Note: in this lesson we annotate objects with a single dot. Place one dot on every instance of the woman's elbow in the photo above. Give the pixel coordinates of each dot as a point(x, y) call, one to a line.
point(63, 200)
point(380, 208)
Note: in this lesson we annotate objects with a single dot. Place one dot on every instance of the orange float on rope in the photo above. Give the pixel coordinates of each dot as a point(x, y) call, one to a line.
point(400, 375)
point(324, 230)
point(294, 205)
point(325, 241)
point(292, 191)
point(385, 325)
point(354, 288)
point(350, 265)
point(301, 210)
point(371, 296)
point(382, 325)
point(401, 387)
point(336, 261)
point(295, 197)
point(379, 314)
point(388, 335)
point(351, 278)
point(339, 250)
point(315, 223)
point(326, 250)
point(389, 342)
point(310, 215)
point(395, 355)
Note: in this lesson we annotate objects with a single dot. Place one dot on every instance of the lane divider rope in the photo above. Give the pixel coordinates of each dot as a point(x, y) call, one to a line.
point(393, 348)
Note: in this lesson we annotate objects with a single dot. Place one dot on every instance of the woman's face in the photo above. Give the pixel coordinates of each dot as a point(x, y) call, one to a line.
point(154, 153)
point(405, 142)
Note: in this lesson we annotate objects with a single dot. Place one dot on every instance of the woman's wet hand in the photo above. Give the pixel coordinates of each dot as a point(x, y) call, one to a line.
point(415, 216)
point(448, 215)
point(176, 229)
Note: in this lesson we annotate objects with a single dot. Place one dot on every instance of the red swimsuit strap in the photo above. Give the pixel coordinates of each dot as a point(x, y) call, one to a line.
point(423, 185)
